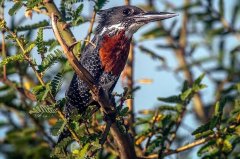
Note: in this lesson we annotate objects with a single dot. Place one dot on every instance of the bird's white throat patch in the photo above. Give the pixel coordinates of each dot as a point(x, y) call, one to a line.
point(113, 28)
point(129, 31)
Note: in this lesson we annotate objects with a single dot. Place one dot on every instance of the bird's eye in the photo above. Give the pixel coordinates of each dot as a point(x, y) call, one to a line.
point(127, 12)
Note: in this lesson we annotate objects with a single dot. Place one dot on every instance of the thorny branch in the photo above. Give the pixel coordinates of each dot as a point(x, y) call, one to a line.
point(123, 141)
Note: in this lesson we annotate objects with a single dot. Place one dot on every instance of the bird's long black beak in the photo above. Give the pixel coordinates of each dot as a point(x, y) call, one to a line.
point(153, 16)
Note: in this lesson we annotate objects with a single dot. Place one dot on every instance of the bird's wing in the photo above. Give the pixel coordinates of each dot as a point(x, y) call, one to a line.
point(78, 94)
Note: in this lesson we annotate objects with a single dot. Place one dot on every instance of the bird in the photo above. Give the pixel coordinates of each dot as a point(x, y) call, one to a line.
point(105, 57)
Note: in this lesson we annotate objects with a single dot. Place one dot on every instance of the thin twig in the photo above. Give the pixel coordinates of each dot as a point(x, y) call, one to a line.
point(127, 2)
point(4, 55)
point(153, 129)
point(90, 29)
point(178, 123)
point(106, 131)
point(3, 41)
point(224, 22)
point(189, 146)
point(39, 11)
point(181, 149)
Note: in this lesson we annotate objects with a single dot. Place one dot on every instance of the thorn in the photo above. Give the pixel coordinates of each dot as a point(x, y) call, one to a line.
point(72, 45)
point(66, 25)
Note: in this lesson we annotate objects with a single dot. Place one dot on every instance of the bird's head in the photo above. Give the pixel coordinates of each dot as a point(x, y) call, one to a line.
point(128, 19)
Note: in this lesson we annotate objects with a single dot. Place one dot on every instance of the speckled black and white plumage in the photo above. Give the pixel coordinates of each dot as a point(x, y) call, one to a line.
point(78, 95)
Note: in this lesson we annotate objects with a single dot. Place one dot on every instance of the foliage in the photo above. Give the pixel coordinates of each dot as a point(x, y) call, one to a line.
point(31, 102)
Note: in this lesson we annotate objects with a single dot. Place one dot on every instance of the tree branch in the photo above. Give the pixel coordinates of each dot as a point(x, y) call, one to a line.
point(3, 45)
point(65, 31)
point(181, 149)
point(189, 146)
point(90, 29)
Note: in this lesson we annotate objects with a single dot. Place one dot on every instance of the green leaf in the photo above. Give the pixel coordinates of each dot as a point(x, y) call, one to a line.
point(124, 111)
point(171, 99)
point(41, 92)
point(153, 145)
point(60, 149)
point(221, 7)
point(7, 97)
point(214, 122)
point(227, 146)
point(79, 9)
point(201, 129)
point(33, 3)
point(207, 148)
point(167, 120)
point(77, 21)
point(13, 58)
point(208, 126)
point(56, 84)
point(45, 112)
point(15, 8)
point(204, 134)
point(152, 54)
point(49, 60)
point(217, 108)
point(82, 153)
point(199, 79)
point(197, 88)
point(29, 47)
point(58, 127)
point(168, 108)
point(185, 86)
point(61, 103)
point(185, 95)
point(4, 88)
point(41, 48)
point(40, 24)
point(99, 4)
